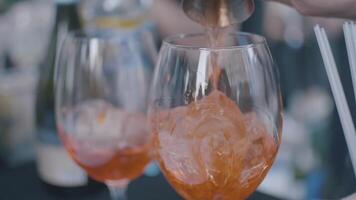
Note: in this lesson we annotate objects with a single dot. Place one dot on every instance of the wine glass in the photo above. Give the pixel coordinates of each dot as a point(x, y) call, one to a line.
point(102, 81)
point(215, 114)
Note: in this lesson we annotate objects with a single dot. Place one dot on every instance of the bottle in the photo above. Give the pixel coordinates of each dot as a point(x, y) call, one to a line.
point(115, 14)
point(56, 169)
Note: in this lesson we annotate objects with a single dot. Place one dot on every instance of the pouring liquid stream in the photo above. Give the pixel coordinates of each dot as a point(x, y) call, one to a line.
point(217, 37)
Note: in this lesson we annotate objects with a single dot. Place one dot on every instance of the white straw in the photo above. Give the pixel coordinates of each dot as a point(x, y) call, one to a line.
point(338, 92)
point(350, 38)
point(351, 197)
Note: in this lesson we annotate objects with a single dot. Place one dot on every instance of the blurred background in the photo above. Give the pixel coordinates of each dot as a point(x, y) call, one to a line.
point(313, 162)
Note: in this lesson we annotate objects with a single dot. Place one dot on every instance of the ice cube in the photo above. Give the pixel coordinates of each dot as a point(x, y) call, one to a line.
point(98, 121)
point(135, 131)
point(178, 157)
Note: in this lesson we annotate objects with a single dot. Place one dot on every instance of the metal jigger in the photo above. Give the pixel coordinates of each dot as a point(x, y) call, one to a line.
point(218, 13)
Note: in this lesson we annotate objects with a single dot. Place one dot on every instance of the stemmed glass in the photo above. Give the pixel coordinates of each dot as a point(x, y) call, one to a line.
point(102, 81)
point(215, 114)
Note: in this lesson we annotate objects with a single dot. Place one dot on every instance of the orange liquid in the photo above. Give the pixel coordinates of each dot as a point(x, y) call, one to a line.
point(103, 160)
point(209, 150)
point(121, 164)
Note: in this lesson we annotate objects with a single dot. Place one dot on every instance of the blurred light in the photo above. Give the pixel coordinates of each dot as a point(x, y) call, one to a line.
point(110, 5)
point(152, 170)
point(312, 106)
point(294, 37)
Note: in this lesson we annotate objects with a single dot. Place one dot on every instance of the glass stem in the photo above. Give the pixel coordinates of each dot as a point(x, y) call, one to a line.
point(118, 189)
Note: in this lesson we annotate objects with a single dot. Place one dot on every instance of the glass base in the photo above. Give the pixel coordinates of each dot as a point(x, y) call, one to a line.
point(118, 189)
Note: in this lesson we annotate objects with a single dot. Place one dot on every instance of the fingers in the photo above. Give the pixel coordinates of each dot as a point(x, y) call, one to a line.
point(330, 8)
point(287, 2)
point(327, 8)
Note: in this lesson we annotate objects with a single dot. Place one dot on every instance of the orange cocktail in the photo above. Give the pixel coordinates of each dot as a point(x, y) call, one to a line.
point(109, 143)
point(210, 150)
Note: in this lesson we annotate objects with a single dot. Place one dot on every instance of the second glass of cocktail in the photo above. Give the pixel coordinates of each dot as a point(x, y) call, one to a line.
point(102, 81)
point(215, 115)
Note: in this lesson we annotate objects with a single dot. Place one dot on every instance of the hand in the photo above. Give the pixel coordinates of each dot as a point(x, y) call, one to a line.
point(170, 18)
point(327, 8)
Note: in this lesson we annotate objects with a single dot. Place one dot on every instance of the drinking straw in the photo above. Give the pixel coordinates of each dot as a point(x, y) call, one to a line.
point(350, 38)
point(351, 197)
point(338, 92)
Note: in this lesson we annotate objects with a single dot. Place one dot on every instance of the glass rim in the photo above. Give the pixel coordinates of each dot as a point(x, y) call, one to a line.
point(169, 41)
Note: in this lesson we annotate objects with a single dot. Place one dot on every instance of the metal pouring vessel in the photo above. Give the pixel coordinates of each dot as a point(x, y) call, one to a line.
point(218, 13)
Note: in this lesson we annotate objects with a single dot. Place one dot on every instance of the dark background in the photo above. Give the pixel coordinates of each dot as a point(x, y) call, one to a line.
point(23, 183)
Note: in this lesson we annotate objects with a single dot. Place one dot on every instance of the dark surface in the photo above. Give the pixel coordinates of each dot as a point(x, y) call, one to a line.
point(23, 183)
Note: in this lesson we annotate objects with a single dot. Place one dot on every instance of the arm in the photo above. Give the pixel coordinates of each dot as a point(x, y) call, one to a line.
point(329, 8)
